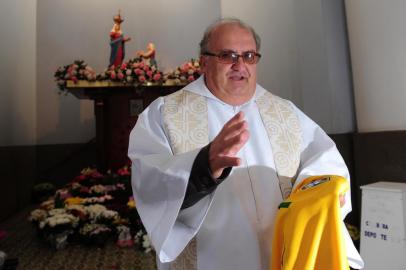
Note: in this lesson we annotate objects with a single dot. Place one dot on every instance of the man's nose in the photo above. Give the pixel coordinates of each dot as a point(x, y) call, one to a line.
point(237, 65)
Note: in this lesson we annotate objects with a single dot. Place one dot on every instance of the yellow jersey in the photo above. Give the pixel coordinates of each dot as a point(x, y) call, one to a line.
point(308, 230)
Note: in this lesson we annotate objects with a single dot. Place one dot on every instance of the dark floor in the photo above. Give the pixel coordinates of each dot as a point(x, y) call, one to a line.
point(23, 244)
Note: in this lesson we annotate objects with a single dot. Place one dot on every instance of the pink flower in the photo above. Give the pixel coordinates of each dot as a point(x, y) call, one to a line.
point(146, 68)
point(185, 67)
point(74, 79)
point(149, 73)
point(138, 71)
point(157, 77)
point(191, 78)
point(141, 64)
point(120, 75)
point(113, 75)
point(96, 174)
point(123, 66)
point(141, 78)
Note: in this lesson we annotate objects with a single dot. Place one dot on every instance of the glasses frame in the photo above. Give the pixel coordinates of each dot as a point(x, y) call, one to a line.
point(235, 57)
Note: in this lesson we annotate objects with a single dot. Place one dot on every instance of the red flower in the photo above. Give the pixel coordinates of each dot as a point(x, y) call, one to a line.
point(191, 78)
point(84, 189)
point(74, 79)
point(80, 178)
point(123, 66)
point(141, 78)
point(157, 77)
point(123, 171)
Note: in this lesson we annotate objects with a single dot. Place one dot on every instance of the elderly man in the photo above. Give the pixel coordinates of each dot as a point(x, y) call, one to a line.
point(212, 162)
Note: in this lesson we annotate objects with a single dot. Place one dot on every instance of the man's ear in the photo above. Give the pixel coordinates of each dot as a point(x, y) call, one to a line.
point(202, 63)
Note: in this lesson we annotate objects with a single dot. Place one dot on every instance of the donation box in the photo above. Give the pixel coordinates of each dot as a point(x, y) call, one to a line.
point(383, 244)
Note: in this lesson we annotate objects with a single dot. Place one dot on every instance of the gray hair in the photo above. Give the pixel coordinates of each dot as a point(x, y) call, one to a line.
point(204, 43)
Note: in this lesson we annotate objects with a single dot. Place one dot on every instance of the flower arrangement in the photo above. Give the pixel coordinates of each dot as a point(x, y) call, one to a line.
point(186, 73)
point(91, 209)
point(136, 71)
point(78, 70)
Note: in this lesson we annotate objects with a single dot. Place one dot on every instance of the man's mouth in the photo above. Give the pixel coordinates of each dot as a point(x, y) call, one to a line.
point(237, 77)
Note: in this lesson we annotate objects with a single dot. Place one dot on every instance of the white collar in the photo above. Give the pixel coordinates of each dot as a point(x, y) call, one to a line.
point(199, 87)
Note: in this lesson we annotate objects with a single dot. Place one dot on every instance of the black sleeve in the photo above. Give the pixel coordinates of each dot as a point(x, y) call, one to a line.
point(201, 181)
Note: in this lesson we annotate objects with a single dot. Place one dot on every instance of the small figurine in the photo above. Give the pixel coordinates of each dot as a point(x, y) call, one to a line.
point(149, 54)
point(117, 41)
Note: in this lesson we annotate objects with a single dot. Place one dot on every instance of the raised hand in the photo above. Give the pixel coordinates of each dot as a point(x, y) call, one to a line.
point(228, 142)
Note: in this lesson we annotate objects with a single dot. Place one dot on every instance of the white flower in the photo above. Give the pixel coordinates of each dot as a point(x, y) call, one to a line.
point(48, 205)
point(129, 79)
point(146, 243)
point(38, 215)
point(76, 185)
point(97, 211)
point(128, 72)
point(57, 211)
point(59, 219)
point(97, 189)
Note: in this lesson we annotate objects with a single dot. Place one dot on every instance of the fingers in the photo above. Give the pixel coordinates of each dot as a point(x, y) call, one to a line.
point(227, 144)
point(234, 144)
point(239, 117)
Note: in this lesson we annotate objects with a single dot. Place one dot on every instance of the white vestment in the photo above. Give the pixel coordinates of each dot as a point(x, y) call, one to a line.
point(233, 226)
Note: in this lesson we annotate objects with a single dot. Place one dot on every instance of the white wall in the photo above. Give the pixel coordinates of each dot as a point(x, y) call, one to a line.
point(69, 30)
point(305, 55)
point(17, 72)
point(377, 35)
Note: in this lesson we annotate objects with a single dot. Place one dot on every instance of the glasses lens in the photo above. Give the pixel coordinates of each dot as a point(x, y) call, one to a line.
point(227, 57)
point(230, 57)
point(250, 57)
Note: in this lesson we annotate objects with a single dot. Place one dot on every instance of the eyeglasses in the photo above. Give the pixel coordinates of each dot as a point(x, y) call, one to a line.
point(230, 57)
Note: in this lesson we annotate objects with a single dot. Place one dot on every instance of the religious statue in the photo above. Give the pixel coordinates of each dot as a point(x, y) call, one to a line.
point(149, 54)
point(117, 41)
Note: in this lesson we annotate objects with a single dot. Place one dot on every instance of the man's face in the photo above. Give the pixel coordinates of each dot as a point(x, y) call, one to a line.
point(232, 83)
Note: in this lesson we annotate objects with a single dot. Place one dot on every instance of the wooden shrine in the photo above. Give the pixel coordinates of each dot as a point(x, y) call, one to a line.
point(116, 108)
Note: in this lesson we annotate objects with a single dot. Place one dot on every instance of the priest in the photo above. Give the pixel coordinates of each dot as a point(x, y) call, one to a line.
point(212, 162)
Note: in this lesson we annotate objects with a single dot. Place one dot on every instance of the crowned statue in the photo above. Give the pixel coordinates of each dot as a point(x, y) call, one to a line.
point(117, 42)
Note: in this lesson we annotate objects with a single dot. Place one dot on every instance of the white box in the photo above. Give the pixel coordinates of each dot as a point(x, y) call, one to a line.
point(383, 245)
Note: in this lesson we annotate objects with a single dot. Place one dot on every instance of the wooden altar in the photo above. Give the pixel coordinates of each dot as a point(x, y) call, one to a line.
point(116, 108)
